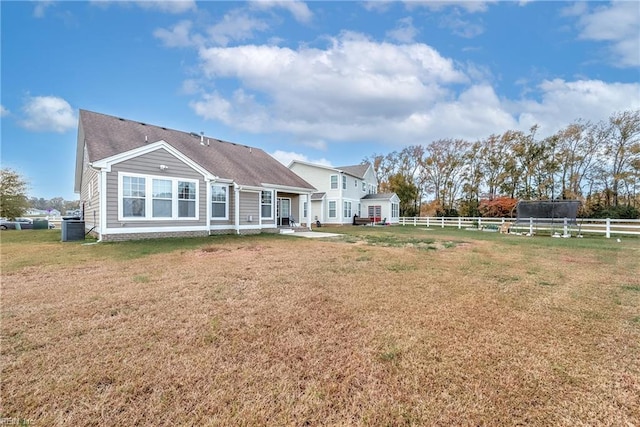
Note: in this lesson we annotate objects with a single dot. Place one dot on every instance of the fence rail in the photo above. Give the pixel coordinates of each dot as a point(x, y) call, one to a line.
point(607, 227)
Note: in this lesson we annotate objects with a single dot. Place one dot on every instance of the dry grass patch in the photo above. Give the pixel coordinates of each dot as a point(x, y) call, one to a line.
point(287, 331)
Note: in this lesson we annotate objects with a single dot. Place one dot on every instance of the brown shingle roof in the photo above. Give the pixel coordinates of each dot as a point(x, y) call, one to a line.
point(106, 136)
point(355, 170)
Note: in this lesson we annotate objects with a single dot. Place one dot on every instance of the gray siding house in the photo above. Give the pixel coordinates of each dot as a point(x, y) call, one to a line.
point(137, 180)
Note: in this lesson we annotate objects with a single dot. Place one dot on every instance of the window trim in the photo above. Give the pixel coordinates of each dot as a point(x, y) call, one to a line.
point(154, 198)
point(148, 198)
point(347, 209)
point(226, 202)
point(271, 216)
point(189, 200)
point(335, 209)
point(344, 182)
point(395, 209)
point(331, 183)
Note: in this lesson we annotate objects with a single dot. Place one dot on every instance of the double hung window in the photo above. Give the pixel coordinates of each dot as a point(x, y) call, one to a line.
point(219, 202)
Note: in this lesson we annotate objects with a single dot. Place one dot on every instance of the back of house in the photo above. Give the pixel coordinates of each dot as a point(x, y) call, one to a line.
point(138, 180)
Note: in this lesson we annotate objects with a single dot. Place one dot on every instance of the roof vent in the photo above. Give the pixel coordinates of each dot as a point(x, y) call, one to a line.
point(201, 138)
point(193, 134)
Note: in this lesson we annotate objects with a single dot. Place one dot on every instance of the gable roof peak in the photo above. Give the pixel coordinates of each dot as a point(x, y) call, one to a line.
point(106, 136)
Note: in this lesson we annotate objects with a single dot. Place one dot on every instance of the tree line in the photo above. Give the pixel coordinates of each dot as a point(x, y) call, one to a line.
point(597, 163)
point(14, 201)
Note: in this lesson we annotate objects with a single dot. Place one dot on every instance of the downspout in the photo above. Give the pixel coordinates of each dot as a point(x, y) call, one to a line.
point(236, 194)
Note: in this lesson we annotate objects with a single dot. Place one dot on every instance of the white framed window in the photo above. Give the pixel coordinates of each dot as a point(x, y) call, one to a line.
point(334, 182)
point(364, 187)
point(344, 182)
point(355, 181)
point(395, 210)
point(148, 197)
point(346, 210)
point(219, 205)
point(186, 199)
point(304, 209)
point(266, 204)
point(133, 197)
point(359, 209)
point(162, 198)
point(332, 209)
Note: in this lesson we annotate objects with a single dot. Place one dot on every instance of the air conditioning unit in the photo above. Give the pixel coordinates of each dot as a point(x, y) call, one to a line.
point(72, 230)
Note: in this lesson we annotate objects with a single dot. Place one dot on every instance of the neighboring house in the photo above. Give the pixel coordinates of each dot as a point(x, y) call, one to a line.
point(344, 192)
point(137, 180)
point(43, 212)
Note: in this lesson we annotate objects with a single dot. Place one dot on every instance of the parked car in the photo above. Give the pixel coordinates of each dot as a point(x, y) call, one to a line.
point(25, 224)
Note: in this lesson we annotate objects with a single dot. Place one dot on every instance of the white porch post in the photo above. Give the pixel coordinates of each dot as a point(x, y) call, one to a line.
point(309, 211)
point(208, 202)
point(236, 194)
point(103, 202)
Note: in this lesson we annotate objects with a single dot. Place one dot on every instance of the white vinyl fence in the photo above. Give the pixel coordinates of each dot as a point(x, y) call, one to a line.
point(607, 227)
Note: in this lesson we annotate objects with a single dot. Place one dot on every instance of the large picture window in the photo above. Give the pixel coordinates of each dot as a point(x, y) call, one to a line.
point(218, 202)
point(157, 198)
point(266, 204)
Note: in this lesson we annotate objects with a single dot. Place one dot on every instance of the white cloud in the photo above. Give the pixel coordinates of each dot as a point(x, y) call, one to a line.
point(404, 32)
point(377, 5)
point(469, 6)
point(190, 87)
point(298, 9)
point(41, 7)
point(48, 114)
point(461, 27)
point(286, 157)
point(166, 6)
point(356, 89)
point(336, 91)
point(562, 102)
point(178, 36)
point(617, 24)
point(3, 111)
point(169, 6)
point(235, 26)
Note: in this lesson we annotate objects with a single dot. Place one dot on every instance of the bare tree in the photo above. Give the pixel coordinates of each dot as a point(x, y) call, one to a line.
point(623, 148)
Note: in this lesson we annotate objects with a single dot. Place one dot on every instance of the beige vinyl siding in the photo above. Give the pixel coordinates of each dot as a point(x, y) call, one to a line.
point(231, 202)
point(149, 164)
point(90, 194)
point(249, 206)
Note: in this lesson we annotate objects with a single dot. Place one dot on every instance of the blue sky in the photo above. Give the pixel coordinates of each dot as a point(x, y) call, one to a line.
point(325, 82)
